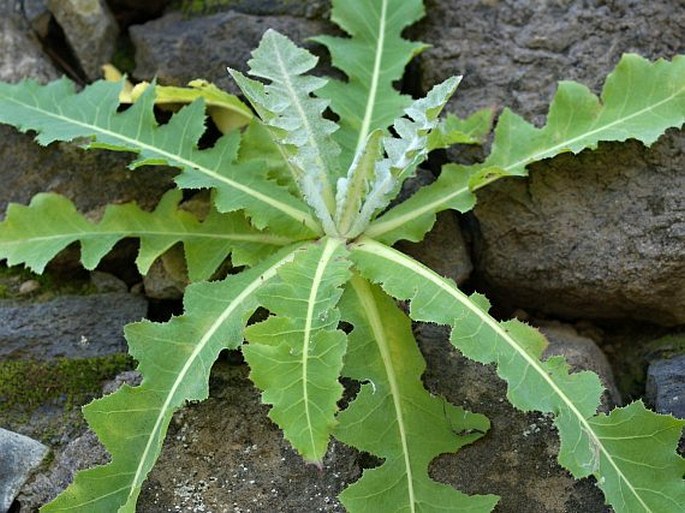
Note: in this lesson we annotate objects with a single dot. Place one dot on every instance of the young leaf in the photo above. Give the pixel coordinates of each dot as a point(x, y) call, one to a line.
point(295, 356)
point(640, 100)
point(605, 447)
point(404, 153)
point(373, 58)
point(25, 237)
point(394, 417)
point(453, 130)
point(294, 117)
point(58, 113)
point(175, 361)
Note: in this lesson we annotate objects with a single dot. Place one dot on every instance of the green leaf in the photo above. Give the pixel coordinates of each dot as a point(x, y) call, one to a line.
point(295, 356)
point(294, 117)
point(454, 130)
point(591, 444)
point(640, 100)
point(394, 417)
point(175, 359)
point(373, 58)
point(26, 237)
point(57, 113)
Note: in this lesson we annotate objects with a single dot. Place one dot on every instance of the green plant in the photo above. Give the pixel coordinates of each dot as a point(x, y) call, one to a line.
point(304, 203)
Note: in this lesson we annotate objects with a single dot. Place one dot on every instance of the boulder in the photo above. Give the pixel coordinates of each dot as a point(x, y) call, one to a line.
point(168, 48)
point(666, 385)
point(90, 29)
point(20, 456)
point(21, 56)
point(600, 236)
point(68, 326)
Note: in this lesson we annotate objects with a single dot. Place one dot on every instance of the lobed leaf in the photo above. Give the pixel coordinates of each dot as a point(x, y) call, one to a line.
point(373, 58)
point(295, 118)
point(590, 444)
point(454, 130)
point(640, 100)
point(27, 238)
point(295, 356)
point(175, 359)
point(57, 113)
point(394, 417)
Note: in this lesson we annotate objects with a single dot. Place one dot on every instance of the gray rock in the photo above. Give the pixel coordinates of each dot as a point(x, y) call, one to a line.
point(20, 455)
point(68, 326)
point(21, 56)
point(666, 386)
point(83, 452)
point(90, 29)
point(92, 179)
point(168, 48)
point(599, 236)
point(300, 8)
point(516, 459)
point(582, 353)
point(167, 277)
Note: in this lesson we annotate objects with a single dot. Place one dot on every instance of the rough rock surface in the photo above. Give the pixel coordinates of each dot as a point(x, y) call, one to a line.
point(68, 326)
point(90, 29)
point(666, 386)
point(516, 459)
point(168, 48)
point(20, 455)
point(21, 55)
point(597, 237)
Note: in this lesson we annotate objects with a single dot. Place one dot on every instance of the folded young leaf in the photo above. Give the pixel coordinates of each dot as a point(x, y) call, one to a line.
point(57, 113)
point(295, 118)
point(373, 58)
point(394, 417)
point(640, 100)
point(175, 359)
point(296, 355)
point(404, 153)
point(605, 447)
point(25, 237)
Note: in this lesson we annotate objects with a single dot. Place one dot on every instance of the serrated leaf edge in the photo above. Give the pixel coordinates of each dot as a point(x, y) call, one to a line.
point(372, 247)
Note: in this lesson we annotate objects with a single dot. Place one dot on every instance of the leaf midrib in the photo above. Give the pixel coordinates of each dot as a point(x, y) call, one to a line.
point(375, 79)
point(383, 251)
point(230, 309)
point(378, 229)
point(374, 317)
point(297, 215)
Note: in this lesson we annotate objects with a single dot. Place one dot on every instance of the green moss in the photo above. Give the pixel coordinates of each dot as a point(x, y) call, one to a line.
point(26, 385)
point(51, 284)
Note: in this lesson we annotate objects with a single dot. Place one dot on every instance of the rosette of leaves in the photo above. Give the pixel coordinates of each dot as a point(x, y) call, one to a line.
point(304, 204)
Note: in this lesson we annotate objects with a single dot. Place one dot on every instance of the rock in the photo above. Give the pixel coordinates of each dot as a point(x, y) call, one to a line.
point(20, 456)
point(83, 452)
point(90, 29)
point(300, 8)
point(92, 179)
point(21, 56)
point(167, 277)
point(68, 326)
point(105, 282)
point(168, 48)
point(600, 236)
point(666, 386)
point(582, 354)
point(128, 12)
point(516, 459)
point(443, 249)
